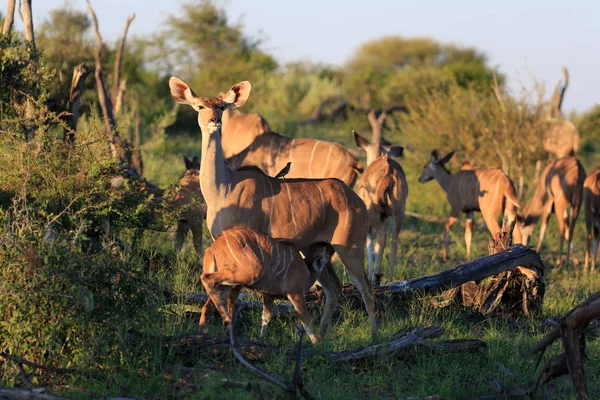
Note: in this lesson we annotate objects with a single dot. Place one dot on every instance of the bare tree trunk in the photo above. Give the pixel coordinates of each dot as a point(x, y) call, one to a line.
point(136, 156)
point(110, 124)
point(118, 100)
point(116, 86)
point(10, 17)
point(80, 72)
point(28, 22)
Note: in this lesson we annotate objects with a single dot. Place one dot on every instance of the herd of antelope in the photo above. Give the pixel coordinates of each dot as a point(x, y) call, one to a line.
point(278, 236)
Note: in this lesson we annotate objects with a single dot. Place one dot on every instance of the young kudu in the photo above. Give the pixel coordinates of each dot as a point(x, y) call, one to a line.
point(383, 188)
point(300, 212)
point(488, 190)
point(559, 188)
point(189, 195)
point(310, 158)
point(239, 130)
point(241, 258)
point(591, 202)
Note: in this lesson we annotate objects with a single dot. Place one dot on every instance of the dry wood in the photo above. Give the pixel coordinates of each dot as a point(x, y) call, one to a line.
point(80, 72)
point(571, 328)
point(425, 217)
point(20, 394)
point(28, 22)
point(118, 99)
point(22, 361)
point(292, 390)
point(10, 17)
point(473, 270)
point(118, 85)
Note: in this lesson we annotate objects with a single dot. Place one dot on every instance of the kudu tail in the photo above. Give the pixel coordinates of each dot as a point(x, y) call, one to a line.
point(510, 196)
point(384, 190)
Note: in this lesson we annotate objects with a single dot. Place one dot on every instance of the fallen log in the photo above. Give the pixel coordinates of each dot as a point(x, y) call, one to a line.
point(473, 270)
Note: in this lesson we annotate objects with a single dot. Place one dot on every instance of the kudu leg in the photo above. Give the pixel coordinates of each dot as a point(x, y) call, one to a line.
point(370, 248)
point(333, 290)
point(232, 297)
point(197, 237)
point(571, 229)
point(206, 309)
point(563, 229)
point(393, 248)
point(215, 295)
point(449, 224)
point(353, 259)
point(267, 313)
point(594, 254)
point(299, 303)
point(588, 248)
point(180, 234)
point(469, 232)
point(544, 224)
point(379, 247)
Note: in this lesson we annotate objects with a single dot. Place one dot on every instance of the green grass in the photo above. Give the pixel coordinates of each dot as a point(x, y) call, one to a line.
point(148, 370)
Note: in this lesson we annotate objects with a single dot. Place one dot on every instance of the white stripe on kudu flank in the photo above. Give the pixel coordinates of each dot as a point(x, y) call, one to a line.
point(322, 203)
point(291, 208)
point(262, 256)
point(310, 161)
point(230, 249)
point(271, 152)
point(346, 201)
point(327, 160)
point(241, 245)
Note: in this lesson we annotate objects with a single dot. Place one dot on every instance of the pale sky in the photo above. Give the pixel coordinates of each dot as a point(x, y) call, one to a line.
point(523, 37)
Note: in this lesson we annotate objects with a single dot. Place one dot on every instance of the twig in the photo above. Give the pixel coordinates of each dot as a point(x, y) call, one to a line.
point(23, 361)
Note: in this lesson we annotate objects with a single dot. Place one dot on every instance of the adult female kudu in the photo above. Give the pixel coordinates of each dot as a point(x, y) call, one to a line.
point(244, 258)
point(239, 130)
point(384, 189)
point(559, 188)
point(300, 212)
point(488, 190)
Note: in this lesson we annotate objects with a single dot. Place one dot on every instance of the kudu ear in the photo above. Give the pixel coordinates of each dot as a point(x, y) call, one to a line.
point(188, 162)
point(181, 91)
point(446, 158)
point(360, 141)
point(221, 95)
point(238, 94)
point(385, 142)
point(436, 154)
point(195, 163)
point(393, 150)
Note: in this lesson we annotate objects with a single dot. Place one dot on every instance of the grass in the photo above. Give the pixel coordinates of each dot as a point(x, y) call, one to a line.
point(413, 373)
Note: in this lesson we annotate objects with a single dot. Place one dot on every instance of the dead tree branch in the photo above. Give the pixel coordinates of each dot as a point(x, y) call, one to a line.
point(117, 83)
point(571, 328)
point(28, 22)
point(473, 270)
point(292, 389)
point(10, 17)
point(558, 95)
point(80, 73)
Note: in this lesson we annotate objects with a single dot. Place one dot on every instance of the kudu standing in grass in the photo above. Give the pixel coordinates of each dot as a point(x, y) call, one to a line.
point(383, 188)
point(488, 190)
point(591, 201)
point(310, 158)
point(241, 258)
point(239, 130)
point(189, 196)
point(562, 137)
point(559, 188)
point(300, 212)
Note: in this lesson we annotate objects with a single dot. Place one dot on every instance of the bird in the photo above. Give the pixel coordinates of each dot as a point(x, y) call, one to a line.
point(284, 171)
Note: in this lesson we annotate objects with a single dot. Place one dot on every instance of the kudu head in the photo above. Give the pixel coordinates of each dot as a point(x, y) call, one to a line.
point(526, 225)
point(435, 165)
point(210, 109)
point(378, 144)
point(316, 258)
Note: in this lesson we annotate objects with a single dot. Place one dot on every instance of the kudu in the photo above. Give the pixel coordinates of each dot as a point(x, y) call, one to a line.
point(559, 188)
point(310, 158)
point(562, 137)
point(241, 258)
point(383, 188)
point(591, 202)
point(300, 212)
point(239, 130)
point(189, 196)
point(488, 190)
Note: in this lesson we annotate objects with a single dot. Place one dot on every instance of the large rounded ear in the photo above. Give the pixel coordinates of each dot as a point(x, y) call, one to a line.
point(385, 142)
point(393, 150)
point(188, 162)
point(446, 158)
point(360, 141)
point(238, 94)
point(195, 163)
point(181, 91)
point(436, 154)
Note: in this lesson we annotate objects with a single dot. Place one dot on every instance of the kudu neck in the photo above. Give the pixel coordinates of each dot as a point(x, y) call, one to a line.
point(214, 173)
point(443, 177)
